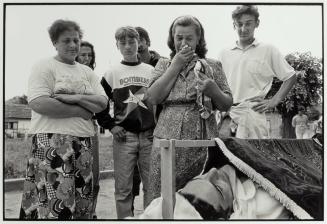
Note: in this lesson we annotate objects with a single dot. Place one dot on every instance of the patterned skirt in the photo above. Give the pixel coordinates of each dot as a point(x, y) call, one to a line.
point(59, 178)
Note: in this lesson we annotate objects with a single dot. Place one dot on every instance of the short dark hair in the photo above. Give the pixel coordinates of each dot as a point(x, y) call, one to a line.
point(143, 34)
point(88, 44)
point(245, 9)
point(301, 108)
point(126, 31)
point(59, 26)
point(207, 211)
point(201, 49)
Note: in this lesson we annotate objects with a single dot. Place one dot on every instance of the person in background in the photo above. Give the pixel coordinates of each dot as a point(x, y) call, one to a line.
point(318, 136)
point(300, 123)
point(63, 95)
point(149, 57)
point(190, 87)
point(133, 122)
point(250, 67)
point(86, 57)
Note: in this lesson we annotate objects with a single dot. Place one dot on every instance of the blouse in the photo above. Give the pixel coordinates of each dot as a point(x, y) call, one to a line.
point(180, 117)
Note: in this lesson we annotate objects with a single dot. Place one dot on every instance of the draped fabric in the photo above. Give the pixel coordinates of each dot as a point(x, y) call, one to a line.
point(289, 170)
point(243, 115)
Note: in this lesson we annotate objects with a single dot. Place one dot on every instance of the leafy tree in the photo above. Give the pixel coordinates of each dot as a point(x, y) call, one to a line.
point(18, 100)
point(307, 91)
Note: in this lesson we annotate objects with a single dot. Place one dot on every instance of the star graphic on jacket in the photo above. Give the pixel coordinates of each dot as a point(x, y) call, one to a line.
point(137, 99)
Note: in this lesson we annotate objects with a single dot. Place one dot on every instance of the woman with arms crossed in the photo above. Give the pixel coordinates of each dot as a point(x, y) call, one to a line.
point(63, 95)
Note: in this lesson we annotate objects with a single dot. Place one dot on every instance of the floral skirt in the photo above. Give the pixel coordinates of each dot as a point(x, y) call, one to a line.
point(59, 178)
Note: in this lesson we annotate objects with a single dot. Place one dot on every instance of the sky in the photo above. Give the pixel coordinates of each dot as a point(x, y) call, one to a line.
point(291, 28)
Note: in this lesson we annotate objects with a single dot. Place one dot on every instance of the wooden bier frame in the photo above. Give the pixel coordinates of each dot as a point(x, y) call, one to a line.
point(168, 176)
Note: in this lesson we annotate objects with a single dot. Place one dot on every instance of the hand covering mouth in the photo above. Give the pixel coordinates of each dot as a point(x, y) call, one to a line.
point(183, 47)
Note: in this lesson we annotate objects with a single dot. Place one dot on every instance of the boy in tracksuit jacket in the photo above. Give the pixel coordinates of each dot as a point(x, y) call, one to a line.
point(133, 122)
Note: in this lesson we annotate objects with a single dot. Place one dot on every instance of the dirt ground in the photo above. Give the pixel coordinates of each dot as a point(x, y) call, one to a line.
point(105, 207)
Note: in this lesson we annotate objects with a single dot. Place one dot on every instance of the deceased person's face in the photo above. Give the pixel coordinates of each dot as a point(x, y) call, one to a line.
point(214, 188)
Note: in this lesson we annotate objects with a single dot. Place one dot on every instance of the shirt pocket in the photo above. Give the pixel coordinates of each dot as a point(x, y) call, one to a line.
point(254, 66)
point(260, 73)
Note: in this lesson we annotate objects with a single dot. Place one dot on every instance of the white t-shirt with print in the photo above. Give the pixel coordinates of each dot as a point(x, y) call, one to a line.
point(50, 76)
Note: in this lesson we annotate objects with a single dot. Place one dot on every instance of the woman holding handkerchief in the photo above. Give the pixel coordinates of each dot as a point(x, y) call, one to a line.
point(190, 87)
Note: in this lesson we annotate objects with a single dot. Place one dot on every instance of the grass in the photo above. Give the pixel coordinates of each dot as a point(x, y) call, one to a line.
point(105, 153)
point(17, 151)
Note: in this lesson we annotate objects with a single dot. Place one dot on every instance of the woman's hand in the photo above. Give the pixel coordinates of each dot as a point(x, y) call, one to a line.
point(68, 98)
point(208, 87)
point(183, 57)
point(220, 100)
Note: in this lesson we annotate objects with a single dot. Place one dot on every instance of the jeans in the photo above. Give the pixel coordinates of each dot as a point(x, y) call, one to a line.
point(136, 184)
point(134, 149)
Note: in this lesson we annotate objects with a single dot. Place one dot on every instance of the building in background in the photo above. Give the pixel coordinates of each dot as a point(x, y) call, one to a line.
point(17, 120)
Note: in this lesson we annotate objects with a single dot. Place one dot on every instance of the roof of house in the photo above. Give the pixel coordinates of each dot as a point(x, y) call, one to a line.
point(21, 111)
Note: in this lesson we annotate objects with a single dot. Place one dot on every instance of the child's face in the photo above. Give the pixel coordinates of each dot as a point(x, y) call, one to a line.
point(128, 48)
